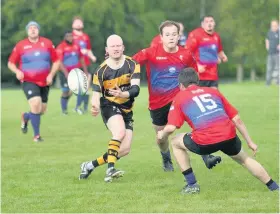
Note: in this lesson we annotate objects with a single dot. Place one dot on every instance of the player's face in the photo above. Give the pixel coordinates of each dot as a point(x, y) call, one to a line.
point(170, 36)
point(208, 24)
point(115, 49)
point(274, 26)
point(69, 37)
point(33, 32)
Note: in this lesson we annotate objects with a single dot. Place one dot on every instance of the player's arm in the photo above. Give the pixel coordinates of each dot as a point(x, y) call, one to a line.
point(63, 69)
point(88, 50)
point(134, 89)
point(175, 120)
point(142, 56)
point(91, 55)
point(13, 60)
point(59, 52)
point(96, 94)
point(267, 41)
point(233, 115)
point(221, 55)
point(82, 61)
point(55, 64)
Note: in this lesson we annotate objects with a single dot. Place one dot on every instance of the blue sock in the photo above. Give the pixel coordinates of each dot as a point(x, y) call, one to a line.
point(166, 156)
point(79, 101)
point(189, 176)
point(35, 121)
point(272, 185)
point(64, 102)
point(86, 99)
point(26, 116)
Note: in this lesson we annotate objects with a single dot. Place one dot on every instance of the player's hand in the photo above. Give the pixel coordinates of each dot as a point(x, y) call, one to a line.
point(116, 92)
point(93, 59)
point(95, 110)
point(160, 135)
point(201, 68)
point(19, 75)
point(219, 60)
point(49, 79)
point(224, 58)
point(253, 147)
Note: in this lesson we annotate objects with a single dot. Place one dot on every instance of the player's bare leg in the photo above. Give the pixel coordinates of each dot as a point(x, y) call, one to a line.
point(181, 155)
point(256, 169)
point(164, 150)
point(126, 143)
point(117, 127)
point(35, 104)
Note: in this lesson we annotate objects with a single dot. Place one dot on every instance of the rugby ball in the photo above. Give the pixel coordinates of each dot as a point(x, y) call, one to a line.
point(77, 81)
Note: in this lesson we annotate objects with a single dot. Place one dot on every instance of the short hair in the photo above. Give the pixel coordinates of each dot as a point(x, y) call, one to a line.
point(77, 18)
point(206, 16)
point(168, 23)
point(187, 77)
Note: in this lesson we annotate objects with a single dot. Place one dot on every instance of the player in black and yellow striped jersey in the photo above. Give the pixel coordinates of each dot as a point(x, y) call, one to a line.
point(115, 85)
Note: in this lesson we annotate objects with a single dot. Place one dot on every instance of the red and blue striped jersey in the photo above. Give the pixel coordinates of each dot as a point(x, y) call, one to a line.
point(34, 59)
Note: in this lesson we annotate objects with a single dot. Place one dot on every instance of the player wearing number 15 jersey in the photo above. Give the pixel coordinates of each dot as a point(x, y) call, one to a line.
point(213, 121)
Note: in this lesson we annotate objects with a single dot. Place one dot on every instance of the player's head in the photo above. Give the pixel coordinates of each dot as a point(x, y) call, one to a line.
point(32, 29)
point(187, 77)
point(208, 23)
point(68, 37)
point(169, 31)
point(78, 23)
point(115, 47)
point(182, 28)
point(274, 25)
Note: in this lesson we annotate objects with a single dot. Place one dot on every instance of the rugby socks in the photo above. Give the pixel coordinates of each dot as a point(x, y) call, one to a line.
point(35, 121)
point(189, 176)
point(79, 101)
point(64, 102)
point(166, 156)
point(86, 99)
point(101, 160)
point(113, 151)
point(271, 185)
point(26, 116)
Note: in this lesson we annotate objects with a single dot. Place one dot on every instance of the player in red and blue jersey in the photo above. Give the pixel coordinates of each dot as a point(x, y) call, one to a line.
point(71, 57)
point(83, 41)
point(163, 65)
point(38, 64)
point(207, 48)
point(213, 121)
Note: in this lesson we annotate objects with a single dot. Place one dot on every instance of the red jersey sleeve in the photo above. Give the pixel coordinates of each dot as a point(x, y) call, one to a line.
point(59, 52)
point(230, 110)
point(175, 115)
point(142, 56)
point(191, 43)
point(15, 56)
point(189, 60)
point(220, 48)
point(53, 53)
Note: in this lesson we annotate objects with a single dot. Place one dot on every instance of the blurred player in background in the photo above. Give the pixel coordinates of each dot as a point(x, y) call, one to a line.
point(82, 39)
point(38, 64)
point(115, 86)
point(181, 42)
point(213, 121)
point(71, 57)
point(163, 65)
point(206, 46)
point(272, 47)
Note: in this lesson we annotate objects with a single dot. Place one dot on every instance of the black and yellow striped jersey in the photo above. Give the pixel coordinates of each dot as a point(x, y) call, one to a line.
point(106, 78)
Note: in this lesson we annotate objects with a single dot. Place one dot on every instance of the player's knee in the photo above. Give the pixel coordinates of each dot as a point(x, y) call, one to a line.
point(35, 106)
point(119, 135)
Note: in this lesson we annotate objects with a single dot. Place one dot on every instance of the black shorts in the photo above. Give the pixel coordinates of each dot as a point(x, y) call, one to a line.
point(32, 90)
point(63, 82)
point(160, 116)
point(230, 147)
point(108, 111)
point(208, 83)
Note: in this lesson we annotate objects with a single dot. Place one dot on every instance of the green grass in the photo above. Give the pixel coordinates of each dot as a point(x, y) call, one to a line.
point(44, 177)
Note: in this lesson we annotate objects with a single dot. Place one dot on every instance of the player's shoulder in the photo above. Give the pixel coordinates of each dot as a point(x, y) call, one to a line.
point(60, 45)
point(46, 40)
point(130, 60)
point(102, 66)
point(22, 43)
point(196, 31)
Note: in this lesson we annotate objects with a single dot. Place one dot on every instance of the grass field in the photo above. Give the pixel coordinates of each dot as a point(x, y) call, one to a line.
point(44, 177)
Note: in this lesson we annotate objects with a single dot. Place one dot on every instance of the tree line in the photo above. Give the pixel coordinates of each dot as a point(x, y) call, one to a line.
point(242, 24)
